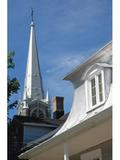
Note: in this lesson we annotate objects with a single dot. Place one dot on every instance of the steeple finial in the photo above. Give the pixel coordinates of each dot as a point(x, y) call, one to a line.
point(32, 14)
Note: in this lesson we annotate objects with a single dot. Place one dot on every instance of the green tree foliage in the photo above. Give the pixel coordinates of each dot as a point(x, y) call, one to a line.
point(13, 83)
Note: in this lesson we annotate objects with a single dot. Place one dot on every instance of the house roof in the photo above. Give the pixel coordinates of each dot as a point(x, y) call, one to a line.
point(74, 117)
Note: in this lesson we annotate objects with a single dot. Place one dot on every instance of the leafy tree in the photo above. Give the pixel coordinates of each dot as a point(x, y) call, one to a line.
point(13, 83)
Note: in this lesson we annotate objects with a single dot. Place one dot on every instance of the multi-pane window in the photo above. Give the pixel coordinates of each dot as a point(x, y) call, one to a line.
point(97, 86)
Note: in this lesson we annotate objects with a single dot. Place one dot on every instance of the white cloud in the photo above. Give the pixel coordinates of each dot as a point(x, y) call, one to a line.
point(65, 64)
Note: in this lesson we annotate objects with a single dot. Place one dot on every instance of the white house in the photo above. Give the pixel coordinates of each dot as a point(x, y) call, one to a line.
point(87, 132)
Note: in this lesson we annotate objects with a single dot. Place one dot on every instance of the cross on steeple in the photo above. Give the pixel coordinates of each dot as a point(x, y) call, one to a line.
point(32, 14)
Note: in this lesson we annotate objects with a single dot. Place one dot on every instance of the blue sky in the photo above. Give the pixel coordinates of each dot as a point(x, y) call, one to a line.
point(67, 32)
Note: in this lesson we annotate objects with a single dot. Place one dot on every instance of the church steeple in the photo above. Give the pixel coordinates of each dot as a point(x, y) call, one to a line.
point(33, 103)
point(33, 87)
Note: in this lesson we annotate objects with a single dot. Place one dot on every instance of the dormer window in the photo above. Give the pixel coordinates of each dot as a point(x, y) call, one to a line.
point(95, 89)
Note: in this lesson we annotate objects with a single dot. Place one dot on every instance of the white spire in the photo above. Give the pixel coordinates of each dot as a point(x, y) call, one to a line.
point(33, 81)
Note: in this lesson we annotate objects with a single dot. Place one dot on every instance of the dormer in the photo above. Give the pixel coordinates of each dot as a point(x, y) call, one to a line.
point(97, 85)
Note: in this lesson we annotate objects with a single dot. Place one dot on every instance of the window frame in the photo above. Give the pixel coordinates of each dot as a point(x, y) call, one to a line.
point(94, 75)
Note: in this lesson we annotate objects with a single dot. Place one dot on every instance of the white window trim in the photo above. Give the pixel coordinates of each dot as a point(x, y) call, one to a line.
point(92, 155)
point(88, 87)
